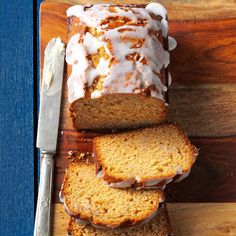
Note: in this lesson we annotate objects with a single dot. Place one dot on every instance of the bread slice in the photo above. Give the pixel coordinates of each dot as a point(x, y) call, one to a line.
point(87, 198)
point(117, 111)
point(117, 57)
point(158, 226)
point(144, 158)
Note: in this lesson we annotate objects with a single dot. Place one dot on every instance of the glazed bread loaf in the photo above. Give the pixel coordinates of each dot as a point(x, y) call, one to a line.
point(89, 199)
point(144, 158)
point(117, 58)
point(158, 226)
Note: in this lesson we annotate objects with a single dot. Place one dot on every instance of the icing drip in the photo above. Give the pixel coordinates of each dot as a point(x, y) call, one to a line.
point(169, 79)
point(157, 9)
point(91, 43)
point(134, 54)
point(172, 43)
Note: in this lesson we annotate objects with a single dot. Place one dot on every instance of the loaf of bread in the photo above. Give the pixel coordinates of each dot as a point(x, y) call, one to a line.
point(158, 226)
point(144, 158)
point(117, 58)
point(89, 199)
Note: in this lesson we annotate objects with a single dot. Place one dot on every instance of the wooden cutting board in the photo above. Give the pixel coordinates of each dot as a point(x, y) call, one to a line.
point(203, 101)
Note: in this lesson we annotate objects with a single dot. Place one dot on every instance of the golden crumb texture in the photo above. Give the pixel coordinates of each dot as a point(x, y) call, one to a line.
point(87, 197)
point(150, 154)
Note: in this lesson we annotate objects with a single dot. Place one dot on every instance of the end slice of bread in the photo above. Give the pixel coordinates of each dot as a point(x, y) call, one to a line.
point(87, 198)
point(158, 226)
point(117, 111)
point(144, 158)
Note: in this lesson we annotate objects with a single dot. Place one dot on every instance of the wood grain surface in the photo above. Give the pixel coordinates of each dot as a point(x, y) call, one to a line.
point(203, 219)
point(203, 92)
point(180, 9)
point(202, 100)
point(212, 178)
point(200, 219)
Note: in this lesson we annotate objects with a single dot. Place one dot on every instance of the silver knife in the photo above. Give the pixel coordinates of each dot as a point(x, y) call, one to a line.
point(50, 102)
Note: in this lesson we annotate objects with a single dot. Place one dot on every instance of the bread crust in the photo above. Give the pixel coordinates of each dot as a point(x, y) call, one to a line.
point(158, 182)
point(161, 219)
point(87, 158)
point(73, 28)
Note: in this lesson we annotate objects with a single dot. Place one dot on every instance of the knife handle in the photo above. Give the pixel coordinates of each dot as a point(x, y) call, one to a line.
point(43, 211)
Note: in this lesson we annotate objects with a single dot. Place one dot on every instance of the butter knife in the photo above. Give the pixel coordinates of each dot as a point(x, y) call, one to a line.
point(50, 102)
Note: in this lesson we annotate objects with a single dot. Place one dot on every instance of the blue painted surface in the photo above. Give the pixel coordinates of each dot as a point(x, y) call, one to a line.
point(16, 118)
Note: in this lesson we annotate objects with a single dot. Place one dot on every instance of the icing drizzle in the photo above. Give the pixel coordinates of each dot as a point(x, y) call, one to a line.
point(134, 54)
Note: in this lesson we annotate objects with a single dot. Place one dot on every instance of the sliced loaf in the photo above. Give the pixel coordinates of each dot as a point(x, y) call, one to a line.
point(158, 226)
point(87, 198)
point(117, 58)
point(144, 158)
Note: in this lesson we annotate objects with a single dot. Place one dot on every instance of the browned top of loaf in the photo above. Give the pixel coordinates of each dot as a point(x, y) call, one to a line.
point(145, 154)
point(88, 198)
point(158, 226)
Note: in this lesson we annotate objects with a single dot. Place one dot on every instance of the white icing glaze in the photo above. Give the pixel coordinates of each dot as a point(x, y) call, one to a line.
point(137, 179)
point(100, 174)
point(96, 94)
point(75, 10)
point(91, 43)
point(147, 184)
point(164, 27)
point(161, 199)
point(179, 170)
point(66, 208)
point(155, 182)
point(172, 43)
point(169, 79)
point(134, 76)
point(122, 184)
point(82, 222)
point(157, 9)
point(149, 218)
point(70, 153)
point(61, 197)
point(76, 55)
point(182, 176)
point(104, 226)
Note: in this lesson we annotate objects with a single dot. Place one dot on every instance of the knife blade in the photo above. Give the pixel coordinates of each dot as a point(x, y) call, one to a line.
point(49, 114)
